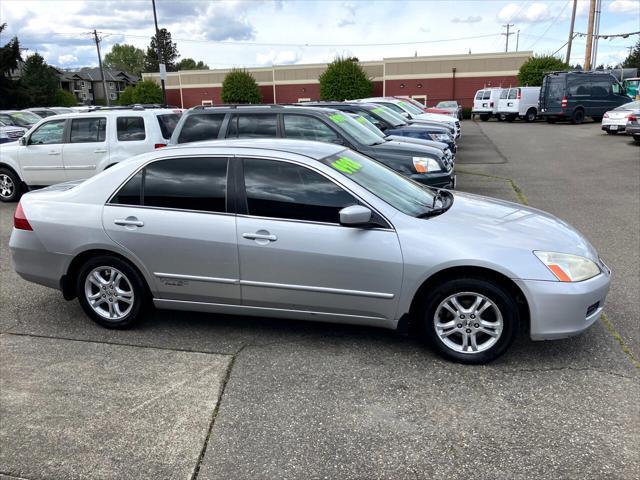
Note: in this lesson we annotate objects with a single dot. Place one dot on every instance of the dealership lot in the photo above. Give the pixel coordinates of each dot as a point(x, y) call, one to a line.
point(190, 395)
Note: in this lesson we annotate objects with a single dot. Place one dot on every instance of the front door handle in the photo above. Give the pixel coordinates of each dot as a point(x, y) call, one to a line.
point(129, 222)
point(100, 150)
point(260, 236)
point(53, 152)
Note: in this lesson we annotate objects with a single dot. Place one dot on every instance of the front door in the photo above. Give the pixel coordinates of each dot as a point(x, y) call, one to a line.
point(172, 217)
point(294, 254)
point(41, 158)
point(87, 147)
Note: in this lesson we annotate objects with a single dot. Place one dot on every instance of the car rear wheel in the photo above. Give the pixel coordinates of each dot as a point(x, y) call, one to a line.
point(10, 186)
point(111, 292)
point(470, 320)
point(531, 115)
point(577, 117)
point(484, 117)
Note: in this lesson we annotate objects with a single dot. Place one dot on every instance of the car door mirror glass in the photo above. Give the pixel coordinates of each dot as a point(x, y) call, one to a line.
point(355, 215)
point(23, 141)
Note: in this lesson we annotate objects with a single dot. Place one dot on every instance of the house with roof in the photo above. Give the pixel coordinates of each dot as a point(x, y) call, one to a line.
point(86, 84)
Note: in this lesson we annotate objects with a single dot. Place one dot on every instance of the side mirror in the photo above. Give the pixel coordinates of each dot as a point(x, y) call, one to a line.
point(23, 141)
point(355, 216)
point(406, 115)
point(338, 141)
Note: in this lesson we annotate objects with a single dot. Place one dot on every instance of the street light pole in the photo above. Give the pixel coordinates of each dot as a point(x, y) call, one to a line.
point(104, 82)
point(162, 67)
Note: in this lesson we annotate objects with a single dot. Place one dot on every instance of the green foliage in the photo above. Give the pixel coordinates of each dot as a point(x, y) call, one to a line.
point(466, 113)
point(344, 79)
point(40, 81)
point(239, 86)
point(125, 57)
point(190, 64)
point(533, 70)
point(127, 96)
point(64, 98)
point(146, 91)
point(633, 60)
point(168, 49)
point(12, 95)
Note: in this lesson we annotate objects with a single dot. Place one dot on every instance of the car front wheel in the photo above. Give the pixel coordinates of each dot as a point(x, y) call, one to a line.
point(470, 320)
point(10, 186)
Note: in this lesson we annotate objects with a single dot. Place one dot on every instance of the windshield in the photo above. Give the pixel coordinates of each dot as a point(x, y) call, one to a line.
point(388, 115)
point(629, 106)
point(366, 123)
point(354, 130)
point(398, 191)
point(447, 105)
point(409, 107)
point(6, 119)
point(25, 119)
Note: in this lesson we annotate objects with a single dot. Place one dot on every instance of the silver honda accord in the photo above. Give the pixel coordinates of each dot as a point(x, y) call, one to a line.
point(313, 231)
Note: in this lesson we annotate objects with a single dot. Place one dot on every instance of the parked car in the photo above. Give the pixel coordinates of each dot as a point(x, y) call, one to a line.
point(633, 125)
point(312, 123)
point(451, 106)
point(632, 87)
point(313, 231)
point(485, 103)
point(61, 110)
point(78, 145)
point(10, 133)
point(519, 102)
point(410, 111)
point(615, 120)
point(19, 118)
point(574, 96)
point(42, 112)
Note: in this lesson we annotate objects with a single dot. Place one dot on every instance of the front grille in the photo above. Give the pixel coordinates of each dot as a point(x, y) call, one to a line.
point(592, 308)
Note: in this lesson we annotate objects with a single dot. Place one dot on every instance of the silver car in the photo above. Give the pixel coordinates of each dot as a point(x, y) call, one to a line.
point(313, 231)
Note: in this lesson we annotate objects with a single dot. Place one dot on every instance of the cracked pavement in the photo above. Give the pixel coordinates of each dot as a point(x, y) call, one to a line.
point(190, 395)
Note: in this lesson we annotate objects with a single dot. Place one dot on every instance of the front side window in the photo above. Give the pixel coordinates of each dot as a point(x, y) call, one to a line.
point(200, 127)
point(353, 129)
point(87, 130)
point(307, 128)
point(48, 133)
point(130, 129)
point(253, 126)
point(284, 190)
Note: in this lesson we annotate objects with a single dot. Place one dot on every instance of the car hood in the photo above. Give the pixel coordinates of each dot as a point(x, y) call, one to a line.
point(500, 224)
point(418, 141)
point(437, 117)
point(394, 147)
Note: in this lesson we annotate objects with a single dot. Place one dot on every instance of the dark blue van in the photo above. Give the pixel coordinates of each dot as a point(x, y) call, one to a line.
point(573, 96)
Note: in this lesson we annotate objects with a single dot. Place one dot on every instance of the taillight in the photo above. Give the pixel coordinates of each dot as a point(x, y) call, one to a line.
point(632, 118)
point(160, 145)
point(564, 102)
point(20, 221)
point(519, 95)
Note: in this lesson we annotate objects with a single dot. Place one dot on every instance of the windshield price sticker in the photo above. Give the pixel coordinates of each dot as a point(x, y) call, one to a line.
point(361, 120)
point(377, 110)
point(337, 118)
point(346, 165)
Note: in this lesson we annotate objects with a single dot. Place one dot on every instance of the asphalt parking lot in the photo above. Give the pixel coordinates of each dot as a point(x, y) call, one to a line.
point(189, 395)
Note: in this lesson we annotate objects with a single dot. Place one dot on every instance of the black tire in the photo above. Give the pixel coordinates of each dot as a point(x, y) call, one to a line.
point(612, 132)
point(531, 115)
point(499, 296)
point(10, 186)
point(485, 117)
point(551, 120)
point(510, 118)
point(577, 117)
point(501, 117)
point(636, 138)
point(597, 119)
point(140, 296)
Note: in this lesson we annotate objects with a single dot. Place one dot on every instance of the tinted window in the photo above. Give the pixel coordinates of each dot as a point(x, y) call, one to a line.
point(504, 94)
point(130, 129)
point(601, 88)
point(307, 128)
point(371, 118)
point(577, 86)
point(48, 133)
point(555, 88)
point(168, 124)
point(200, 127)
point(187, 183)
point(283, 190)
point(131, 192)
point(84, 130)
point(253, 126)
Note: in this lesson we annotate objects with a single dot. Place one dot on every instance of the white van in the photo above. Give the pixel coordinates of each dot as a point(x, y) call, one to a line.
point(485, 103)
point(518, 102)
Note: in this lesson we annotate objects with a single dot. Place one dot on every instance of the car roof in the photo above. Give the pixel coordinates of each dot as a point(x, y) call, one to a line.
point(113, 113)
point(307, 148)
point(255, 108)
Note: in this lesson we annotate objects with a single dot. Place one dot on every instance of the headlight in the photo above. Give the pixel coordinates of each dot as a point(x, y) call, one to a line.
point(568, 268)
point(426, 165)
point(440, 137)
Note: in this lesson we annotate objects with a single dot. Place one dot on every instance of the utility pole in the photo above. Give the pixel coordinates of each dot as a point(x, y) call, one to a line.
point(508, 26)
point(587, 55)
point(596, 34)
point(517, 39)
point(573, 22)
point(104, 82)
point(162, 67)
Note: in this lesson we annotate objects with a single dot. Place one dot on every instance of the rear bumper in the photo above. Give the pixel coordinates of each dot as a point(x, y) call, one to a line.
point(613, 128)
point(560, 310)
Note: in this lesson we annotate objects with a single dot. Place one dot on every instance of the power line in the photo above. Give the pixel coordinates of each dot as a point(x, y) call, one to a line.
point(551, 24)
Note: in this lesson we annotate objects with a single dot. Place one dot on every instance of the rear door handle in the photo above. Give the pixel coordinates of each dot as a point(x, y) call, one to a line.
point(259, 236)
point(129, 221)
point(100, 150)
point(53, 152)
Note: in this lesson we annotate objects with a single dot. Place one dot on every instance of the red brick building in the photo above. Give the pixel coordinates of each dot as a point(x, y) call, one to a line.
point(428, 79)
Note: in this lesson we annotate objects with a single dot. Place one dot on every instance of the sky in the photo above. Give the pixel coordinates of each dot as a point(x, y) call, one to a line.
point(250, 33)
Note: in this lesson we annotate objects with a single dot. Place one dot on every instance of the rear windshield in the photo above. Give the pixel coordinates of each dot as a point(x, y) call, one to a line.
point(479, 94)
point(504, 94)
point(513, 93)
point(486, 95)
point(168, 124)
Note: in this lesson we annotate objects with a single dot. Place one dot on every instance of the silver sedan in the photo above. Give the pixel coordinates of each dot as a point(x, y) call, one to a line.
point(312, 231)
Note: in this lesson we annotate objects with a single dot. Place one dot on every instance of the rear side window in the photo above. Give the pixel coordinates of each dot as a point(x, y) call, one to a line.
point(307, 128)
point(200, 127)
point(130, 129)
point(578, 86)
point(168, 124)
point(253, 126)
point(187, 184)
point(601, 88)
point(87, 130)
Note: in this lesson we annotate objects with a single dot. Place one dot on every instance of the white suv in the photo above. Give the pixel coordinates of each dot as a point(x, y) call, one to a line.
point(76, 146)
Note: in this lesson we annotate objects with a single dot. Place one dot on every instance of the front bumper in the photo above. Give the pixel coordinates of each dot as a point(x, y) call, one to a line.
point(439, 180)
point(632, 129)
point(560, 310)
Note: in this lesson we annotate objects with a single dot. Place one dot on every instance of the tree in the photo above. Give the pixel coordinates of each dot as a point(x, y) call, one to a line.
point(239, 86)
point(40, 81)
point(126, 58)
point(633, 60)
point(168, 49)
point(11, 93)
point(190, 64)
point(64, 98)
point(344, 79)
point(146, 91)
point(127, 96)
point(533, 70)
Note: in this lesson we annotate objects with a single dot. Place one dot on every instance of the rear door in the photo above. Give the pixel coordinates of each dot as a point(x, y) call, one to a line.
point(86, 147)
point(173, 217)
point(552, 93)
point(130, 136)
point(477, 101)
point(41, 159)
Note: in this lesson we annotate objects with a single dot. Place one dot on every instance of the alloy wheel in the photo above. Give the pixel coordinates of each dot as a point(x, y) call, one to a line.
point(109, 293)
point(7, 186)
point(468, 322)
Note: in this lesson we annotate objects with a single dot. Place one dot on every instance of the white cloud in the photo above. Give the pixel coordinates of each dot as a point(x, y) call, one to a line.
point(624, 6)
point(67, 59)
point(283, 57)
point(534, 13)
